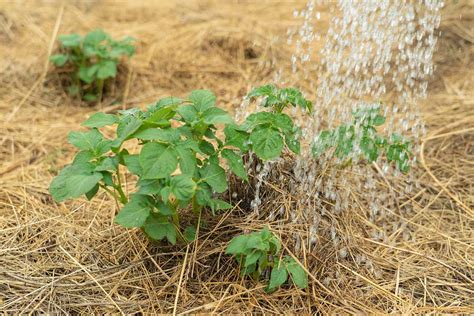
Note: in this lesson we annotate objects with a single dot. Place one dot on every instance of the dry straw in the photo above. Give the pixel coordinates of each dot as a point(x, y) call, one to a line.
point(71, 258)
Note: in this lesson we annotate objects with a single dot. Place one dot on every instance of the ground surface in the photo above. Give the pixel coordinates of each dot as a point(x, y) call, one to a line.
point(70, 257)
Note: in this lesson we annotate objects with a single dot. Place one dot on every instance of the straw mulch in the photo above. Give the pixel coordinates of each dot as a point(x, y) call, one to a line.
point(71, 258)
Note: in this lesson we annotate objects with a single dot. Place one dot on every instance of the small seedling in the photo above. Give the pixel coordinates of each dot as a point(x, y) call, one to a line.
point(260, 252)
point(362, 135)
point(91, 61)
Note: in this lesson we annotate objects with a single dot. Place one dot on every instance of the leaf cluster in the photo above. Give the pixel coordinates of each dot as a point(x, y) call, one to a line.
point(259, 252)
point(91, 60)
point(280, 98)
point(361, 136)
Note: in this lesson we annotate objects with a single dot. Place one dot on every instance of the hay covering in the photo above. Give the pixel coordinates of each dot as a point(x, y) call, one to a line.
point(71, 258)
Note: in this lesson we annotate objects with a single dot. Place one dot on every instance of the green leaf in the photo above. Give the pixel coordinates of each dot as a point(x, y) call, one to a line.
point(107, 69)
point(100, 119)
point(108, 164)
point(135, 212)
point(73, 181)
point(158, 228)
point(298, 274)
point(188, 113)
point(215, 176)
point(284, 122)
point(278, 276)
point(169, 135)
point(168, 102)
point(204, 194)
point(266, 90)
point(157, 161)
point(58, 60)
point(235, 163)
point(133, 164)
point(93, 192)
point(126, 129)
point(252, 258)
point(236, 138)
point(187, 160)
point(202, 99)
point(266, 143)
point(86, 75)
point(216, 115)
point(216, 204)
point(70, 40)
point(95, 37)
point(149, 187)
point(190, 233)
point(293, 143)
point(237, 245)
point(183, 187)
point(91, 140)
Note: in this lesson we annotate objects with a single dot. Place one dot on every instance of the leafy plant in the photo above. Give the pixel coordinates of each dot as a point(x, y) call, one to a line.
point(180, 162)
point(259, 252)
point(91, 60)
point(362, 135)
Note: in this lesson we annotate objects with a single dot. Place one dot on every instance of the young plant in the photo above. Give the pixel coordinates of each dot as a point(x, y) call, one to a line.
point(259, 252)
point(362, 135)
point(91, 61)
point(179, 165)
point(266, 133)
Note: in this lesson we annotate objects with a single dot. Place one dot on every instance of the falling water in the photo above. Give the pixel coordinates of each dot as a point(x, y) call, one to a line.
point(376, 50)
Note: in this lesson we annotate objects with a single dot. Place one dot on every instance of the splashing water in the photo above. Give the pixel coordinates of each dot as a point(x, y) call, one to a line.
point(376, 50)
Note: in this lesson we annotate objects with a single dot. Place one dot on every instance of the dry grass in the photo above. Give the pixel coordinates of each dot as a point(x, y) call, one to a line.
point(70, 257)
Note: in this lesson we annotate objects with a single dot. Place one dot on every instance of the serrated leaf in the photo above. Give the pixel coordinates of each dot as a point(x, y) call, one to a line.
point(134, 213)
point(215, 176)
point(100, 120)
point(235, 163)
point(202, 99)
point(183, 187)
point(283, 122)
point(157, 161)
point(149, 187)
point(266, 143)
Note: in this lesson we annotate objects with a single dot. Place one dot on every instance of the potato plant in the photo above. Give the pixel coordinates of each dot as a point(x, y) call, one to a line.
point(361, 134)
point(90, 61)
point(259, 252)
point(182, 164)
